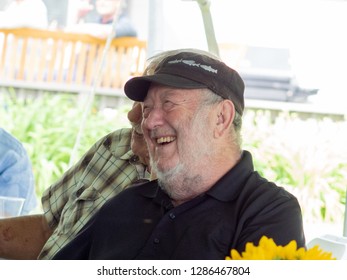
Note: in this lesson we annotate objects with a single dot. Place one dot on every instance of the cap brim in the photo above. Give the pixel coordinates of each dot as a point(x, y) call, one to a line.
point(136, 88)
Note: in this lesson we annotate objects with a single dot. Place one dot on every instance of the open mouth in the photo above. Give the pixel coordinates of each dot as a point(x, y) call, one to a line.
point(165, 140)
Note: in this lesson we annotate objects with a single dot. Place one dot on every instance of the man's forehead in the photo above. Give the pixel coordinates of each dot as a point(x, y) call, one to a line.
point(166, 91)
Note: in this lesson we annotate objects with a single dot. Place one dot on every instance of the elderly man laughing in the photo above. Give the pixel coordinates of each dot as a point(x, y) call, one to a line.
point(207, 199)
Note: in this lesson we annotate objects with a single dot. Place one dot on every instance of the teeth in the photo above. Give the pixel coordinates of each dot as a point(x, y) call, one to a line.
point(167, 139)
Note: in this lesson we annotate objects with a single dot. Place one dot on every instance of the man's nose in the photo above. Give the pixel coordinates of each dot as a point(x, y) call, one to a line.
point(155, 118)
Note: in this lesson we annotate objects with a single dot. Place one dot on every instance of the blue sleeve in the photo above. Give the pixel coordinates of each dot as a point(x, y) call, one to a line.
point(16, 174)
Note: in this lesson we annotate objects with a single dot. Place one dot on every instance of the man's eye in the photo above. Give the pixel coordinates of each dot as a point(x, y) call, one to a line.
point(168, 104)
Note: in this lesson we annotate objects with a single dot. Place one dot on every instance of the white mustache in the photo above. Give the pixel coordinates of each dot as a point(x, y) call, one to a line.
point(155, 133)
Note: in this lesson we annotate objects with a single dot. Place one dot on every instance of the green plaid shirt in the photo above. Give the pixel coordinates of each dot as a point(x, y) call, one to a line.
point(104, 171)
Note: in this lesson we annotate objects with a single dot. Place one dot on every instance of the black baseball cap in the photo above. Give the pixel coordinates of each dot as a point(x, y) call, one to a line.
point(191, 70)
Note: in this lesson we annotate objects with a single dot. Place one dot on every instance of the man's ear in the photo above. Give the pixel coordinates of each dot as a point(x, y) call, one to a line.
point(224, 118)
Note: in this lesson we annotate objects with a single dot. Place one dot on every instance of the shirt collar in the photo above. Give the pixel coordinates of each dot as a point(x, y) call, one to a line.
point(129, 156)
point(152, 190)
point(135, 161)
point(229, 186)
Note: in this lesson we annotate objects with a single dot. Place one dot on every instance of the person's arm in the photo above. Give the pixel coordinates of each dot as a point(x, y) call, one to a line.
point(23, 237)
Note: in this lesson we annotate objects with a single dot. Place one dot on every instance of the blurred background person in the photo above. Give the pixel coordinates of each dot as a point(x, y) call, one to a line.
point(16, 174)
point(96, 18)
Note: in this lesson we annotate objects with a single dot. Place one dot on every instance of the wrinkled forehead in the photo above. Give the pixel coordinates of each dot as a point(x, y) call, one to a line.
point(163, 93)
point(156, 90)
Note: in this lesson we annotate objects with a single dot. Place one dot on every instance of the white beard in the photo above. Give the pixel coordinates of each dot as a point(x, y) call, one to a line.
point(183, 181)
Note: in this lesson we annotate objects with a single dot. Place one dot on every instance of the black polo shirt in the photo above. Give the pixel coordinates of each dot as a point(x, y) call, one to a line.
point(141, 222)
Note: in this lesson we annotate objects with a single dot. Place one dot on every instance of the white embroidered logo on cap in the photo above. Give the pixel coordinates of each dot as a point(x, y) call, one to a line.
point(193, 63)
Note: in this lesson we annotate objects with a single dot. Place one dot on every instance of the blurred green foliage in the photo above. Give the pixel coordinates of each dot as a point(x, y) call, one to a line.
point(307, 156)
point(48, 127)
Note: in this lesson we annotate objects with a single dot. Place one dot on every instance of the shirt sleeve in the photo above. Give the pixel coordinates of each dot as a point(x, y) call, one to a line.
point(279, 219)
point(57, 195)
point(14, 160)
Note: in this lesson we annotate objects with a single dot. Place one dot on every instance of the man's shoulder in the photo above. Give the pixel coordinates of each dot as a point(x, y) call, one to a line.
point(117, 141)
point(136, 195)
point(266, 195)
point(257, 185)
point(9, 142)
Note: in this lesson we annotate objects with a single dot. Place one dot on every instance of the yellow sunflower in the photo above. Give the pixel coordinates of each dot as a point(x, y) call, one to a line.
point(268, 250)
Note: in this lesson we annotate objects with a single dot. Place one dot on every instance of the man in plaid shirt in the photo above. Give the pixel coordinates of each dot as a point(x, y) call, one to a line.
point(105, 170)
